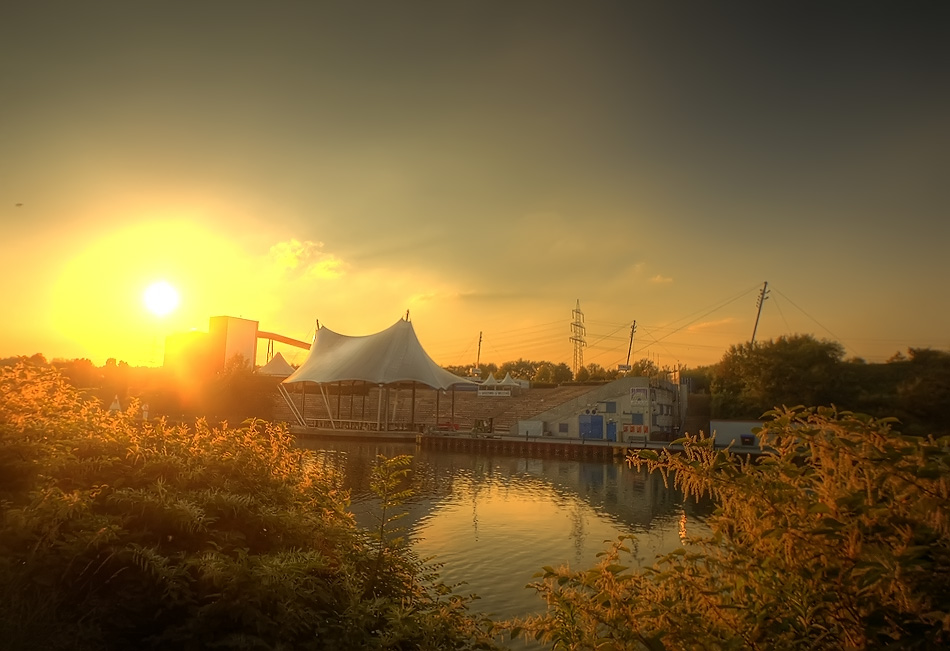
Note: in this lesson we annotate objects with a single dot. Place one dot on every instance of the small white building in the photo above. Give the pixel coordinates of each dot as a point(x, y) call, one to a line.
point(738, 433)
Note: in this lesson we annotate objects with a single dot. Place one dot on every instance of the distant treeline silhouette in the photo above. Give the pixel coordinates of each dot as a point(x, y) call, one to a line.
point(749, 380)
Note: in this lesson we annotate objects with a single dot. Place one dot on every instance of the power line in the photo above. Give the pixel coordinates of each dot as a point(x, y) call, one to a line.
point(836, 337)
point(689, 323)
point(714, 309)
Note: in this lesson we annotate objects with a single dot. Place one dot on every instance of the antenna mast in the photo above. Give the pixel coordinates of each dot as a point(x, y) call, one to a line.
point(578, 332)
point(763, 296)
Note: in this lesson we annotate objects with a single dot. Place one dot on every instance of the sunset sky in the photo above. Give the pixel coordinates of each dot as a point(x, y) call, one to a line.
point(484, 165)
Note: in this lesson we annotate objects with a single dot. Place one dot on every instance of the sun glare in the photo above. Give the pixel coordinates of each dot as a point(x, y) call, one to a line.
point(160, 298)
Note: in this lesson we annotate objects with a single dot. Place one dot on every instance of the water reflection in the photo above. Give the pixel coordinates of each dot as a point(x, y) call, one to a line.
point(494, 521)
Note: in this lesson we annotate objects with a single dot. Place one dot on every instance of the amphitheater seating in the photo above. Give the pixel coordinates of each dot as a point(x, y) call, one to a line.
point(505, 412)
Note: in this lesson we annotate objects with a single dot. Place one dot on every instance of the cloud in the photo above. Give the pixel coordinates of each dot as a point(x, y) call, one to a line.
point(445, 294)
point(306, 258)
point(328, 267)
point(711, 324)
point(661, 279)
point(481, 296)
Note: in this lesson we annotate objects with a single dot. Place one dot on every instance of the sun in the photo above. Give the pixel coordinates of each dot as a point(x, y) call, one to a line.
point(160, 298)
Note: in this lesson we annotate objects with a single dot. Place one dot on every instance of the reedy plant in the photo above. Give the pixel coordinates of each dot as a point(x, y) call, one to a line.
point(837, 537)
point(391, 483)
point(117, 534)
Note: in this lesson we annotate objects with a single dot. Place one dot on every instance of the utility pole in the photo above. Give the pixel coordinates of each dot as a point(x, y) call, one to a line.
point(633, 329)
point(578, 338)
point(478, 356)
point(763, 296)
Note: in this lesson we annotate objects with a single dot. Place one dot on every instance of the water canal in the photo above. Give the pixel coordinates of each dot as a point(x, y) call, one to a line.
point(494, 520)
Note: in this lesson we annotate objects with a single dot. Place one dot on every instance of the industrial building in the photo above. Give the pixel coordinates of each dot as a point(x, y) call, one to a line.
point(627, 410)
point(200, 354)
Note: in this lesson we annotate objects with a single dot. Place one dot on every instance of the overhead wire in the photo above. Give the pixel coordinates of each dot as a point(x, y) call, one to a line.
point(713, 309)
point(782, 314)
point(549, 333)
point(705, 314)
point(820, 325)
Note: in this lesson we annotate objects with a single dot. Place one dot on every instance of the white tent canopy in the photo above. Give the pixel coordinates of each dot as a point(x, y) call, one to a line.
point(490, 381)
point(393, 355)
point(509, 381)
point(276, 367)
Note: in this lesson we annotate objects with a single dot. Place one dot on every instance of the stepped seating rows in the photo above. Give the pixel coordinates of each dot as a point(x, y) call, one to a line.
point(469, 406)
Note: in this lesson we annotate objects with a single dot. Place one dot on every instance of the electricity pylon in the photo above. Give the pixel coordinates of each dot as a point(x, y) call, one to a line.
point(578, 337)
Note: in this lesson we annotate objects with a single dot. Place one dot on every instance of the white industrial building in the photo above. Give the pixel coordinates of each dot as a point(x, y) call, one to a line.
point(628, 410)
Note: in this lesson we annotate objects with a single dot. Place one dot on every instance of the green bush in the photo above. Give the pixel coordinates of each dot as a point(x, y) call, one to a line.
point(117, 534)
point(837, 538)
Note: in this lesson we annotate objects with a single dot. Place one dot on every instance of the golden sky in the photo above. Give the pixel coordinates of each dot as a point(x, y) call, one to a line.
point(482, 164)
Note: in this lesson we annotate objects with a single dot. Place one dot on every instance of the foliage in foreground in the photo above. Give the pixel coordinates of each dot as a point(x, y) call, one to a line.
point(837, 538)
point(116, 534)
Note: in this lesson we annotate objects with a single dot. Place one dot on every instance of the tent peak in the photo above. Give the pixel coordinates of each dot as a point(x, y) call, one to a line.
point(389, 356)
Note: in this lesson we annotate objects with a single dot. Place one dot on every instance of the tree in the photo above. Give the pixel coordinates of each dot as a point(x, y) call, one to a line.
point(837, 537)
point(563, 373)
point(236, 393)
point(597, 372)
point(116, 534)
point(114, 382)
point(462, 370)
point(643, 367)
point(549, 372)
point(795, 370)
point(923, 394)
point(488, 368)
point(520, 368)
point(81, 373)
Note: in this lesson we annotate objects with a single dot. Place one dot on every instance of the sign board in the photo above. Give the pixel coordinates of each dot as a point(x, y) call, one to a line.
point(636, 429)
point(495, 393)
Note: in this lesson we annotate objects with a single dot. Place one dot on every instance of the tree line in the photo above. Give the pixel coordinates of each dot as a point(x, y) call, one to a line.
point(752, 379)
point(748, 381)
point(232, 394)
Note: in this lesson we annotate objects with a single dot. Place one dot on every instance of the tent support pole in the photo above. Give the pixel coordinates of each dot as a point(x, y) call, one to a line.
point(326, 401)
point(339, 398)
point(291, 404)
point(438, 394)
point(379, 407)
point(412, 409)
point(391, 417)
